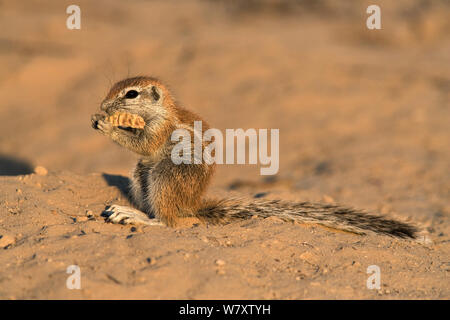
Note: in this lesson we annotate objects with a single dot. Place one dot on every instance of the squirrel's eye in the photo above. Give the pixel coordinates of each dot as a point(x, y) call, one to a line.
point(131, 94)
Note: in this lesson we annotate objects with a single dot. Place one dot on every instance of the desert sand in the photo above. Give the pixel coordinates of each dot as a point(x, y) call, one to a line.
point(363, 118)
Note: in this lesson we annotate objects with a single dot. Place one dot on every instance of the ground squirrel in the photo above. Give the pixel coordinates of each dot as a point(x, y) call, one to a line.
point(140, 114)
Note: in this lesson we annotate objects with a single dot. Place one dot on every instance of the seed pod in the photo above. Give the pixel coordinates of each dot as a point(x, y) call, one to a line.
point(124, 119)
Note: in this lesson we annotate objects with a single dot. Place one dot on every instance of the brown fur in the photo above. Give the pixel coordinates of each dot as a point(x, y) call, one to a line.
point(170, 192)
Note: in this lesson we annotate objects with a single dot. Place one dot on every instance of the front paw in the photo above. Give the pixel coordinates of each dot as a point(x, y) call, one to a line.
point(95, 118)
point(100, 123)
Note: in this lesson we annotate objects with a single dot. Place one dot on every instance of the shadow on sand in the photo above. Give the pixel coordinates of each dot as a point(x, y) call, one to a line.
point(120, 182)
point(10, 166)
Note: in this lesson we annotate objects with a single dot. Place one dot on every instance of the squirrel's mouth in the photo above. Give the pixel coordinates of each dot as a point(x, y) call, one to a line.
point(129, 129)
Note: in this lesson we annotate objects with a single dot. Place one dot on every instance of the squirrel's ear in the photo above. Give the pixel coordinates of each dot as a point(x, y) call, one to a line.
point(156, 93)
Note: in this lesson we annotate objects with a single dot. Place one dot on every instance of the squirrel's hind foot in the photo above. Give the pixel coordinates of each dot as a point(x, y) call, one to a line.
point(127, 215)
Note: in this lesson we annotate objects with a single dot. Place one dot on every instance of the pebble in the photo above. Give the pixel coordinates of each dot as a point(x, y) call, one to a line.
point(220, 262)
point(90, 215)
point(40, 171)
point(445, 266)
point(274, 219)
point(6, 240)
point(309, 257)
point(385, 209)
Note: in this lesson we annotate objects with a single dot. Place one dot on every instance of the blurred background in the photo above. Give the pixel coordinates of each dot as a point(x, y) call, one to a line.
point(363, 114)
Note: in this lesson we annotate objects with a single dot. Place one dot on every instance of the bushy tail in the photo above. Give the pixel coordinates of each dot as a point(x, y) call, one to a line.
point(329, 215)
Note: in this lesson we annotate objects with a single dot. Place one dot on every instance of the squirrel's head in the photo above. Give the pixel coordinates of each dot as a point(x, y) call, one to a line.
point(145, 96)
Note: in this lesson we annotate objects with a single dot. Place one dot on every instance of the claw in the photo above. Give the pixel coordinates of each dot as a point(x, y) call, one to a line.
point(95, 118)
point(126, 215)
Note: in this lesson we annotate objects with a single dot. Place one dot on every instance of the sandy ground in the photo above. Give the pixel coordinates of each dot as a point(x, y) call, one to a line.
point(363, 118)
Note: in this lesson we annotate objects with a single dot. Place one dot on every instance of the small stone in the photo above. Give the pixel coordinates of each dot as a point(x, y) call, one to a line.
point(356, 264)
point(221, 272)
point(385, 209)
point(445, 266)
point(309, 257)
point(81, 219)
point(40, 171)
point(274, 219)
point(6, 240)
point(328, 199)
point(220, 262)
point(260, 195)
point(90, 215)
